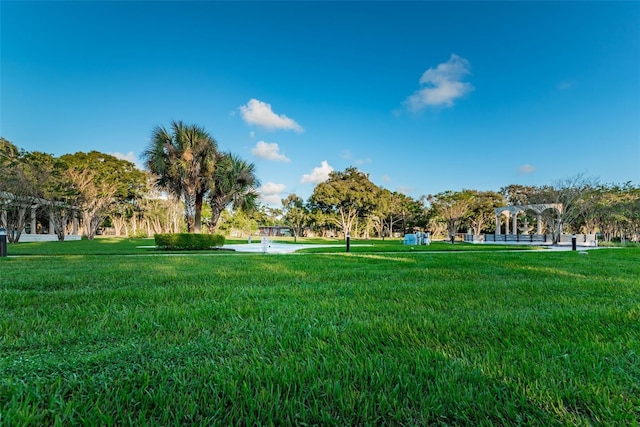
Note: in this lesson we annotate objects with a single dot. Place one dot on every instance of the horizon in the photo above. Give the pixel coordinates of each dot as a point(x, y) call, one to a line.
point(424, 97)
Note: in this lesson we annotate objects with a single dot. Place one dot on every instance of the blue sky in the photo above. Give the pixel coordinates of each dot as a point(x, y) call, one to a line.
point(423, 96)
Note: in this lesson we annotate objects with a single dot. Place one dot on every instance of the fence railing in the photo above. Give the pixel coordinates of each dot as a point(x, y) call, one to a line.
point(581, 239)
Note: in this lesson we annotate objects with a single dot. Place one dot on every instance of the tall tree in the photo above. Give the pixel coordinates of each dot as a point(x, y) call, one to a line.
point(234, 183)
point(58, 196)
point(349, 194)
point(18, 191)
point(575, 194)
point(294, 214)
point(184, 160)
point(392, 208)
point(452, 208)
point(100, 180)
point(483, 204)
point(615, 212)
point(517, 195)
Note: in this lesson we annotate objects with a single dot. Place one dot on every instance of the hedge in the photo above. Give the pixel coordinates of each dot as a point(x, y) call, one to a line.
point(188, 241)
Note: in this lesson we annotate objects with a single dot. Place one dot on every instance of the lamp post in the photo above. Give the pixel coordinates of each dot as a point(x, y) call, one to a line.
point(3, 242)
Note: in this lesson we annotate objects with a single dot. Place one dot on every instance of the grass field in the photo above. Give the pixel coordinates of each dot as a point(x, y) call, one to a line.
point(108, 333)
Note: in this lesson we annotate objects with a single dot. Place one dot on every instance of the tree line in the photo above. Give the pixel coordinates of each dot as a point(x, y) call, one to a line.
point(352, 204)
point(190, 185)
point(185, 171)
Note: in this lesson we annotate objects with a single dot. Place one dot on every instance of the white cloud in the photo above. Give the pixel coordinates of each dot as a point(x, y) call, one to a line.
point(130, 156)
point(348, 155)
point(386, 178)
point(405, 190)
point(318, 174)
point(567, 84)
point(526, 169)
point(360, 162)
point(271, 193)
point(260, 114)
point(442, 85)
point(269, 151)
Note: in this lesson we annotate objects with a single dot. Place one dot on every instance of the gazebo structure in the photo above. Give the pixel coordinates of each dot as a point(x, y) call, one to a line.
point(522, 233)
point(37, 220)
point(514, 211)
point(515, 233)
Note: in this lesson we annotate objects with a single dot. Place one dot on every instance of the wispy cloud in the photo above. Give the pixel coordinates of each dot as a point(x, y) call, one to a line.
point(269, 151)
point(318, 174)
point(271, 193)
point(130, 156)
point(348, 155)
point(260, 114)
point(405, 190)
point(564, 85)
point(526, 169)
point(361, 162)
point(441, 85)
point(386, 178)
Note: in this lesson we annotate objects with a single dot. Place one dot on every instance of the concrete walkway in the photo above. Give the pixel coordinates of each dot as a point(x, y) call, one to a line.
point(279, 248)
point(288, 248)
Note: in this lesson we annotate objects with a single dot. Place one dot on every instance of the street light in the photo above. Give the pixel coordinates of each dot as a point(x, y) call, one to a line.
point(3, 242)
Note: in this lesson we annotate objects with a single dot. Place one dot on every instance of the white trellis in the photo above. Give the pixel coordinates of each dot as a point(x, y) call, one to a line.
point(32, 204)
point(513, 212)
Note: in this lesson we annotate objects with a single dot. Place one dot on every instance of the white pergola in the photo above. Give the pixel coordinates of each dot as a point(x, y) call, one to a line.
point(514, 211)
point(32, 204)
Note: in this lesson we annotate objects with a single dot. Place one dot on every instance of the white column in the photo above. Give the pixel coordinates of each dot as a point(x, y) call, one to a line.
point(515, 223)
point(498, 223)
point(74, 221)
point(33, 220)
point(51, 224)
point(506, 223)
point(3, 219)
point(539, 224)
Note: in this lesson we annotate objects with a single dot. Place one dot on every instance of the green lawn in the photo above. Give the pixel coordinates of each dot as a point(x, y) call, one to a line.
point(100, 337)
point(122, 246)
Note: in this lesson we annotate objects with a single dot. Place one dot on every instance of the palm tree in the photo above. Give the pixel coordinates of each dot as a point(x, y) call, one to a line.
point(184, 161)
point(235, 184)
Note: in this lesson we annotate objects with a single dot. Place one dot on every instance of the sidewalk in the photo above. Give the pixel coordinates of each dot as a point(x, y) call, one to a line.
point(275, 248)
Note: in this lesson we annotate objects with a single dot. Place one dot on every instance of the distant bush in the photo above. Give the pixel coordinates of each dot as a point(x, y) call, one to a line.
point(188, 241)
point(140, 234)
point(618, 243)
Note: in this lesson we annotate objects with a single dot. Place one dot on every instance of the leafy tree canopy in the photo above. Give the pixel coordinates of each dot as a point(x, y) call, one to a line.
point(349, 194)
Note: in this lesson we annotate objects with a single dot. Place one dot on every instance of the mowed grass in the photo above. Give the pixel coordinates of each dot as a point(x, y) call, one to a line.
point(125, 246)
point(483, 338)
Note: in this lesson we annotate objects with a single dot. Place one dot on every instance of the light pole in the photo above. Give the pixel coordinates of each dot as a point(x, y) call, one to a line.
point(3, 242)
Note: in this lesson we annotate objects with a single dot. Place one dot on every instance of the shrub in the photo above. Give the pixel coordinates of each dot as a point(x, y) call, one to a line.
point(140, 234)
point(188, 241)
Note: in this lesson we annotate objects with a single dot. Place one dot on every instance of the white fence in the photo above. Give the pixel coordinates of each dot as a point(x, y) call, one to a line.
point(539, 239)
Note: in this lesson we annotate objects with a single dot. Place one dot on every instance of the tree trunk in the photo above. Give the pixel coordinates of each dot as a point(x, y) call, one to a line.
point(60, 218)
point(189, 211)
point(198, 214)
point(15, 223)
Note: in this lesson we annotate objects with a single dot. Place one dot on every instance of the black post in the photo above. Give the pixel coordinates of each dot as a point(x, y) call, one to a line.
point(348, 242)
point(573, 242)
point(3, 242)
